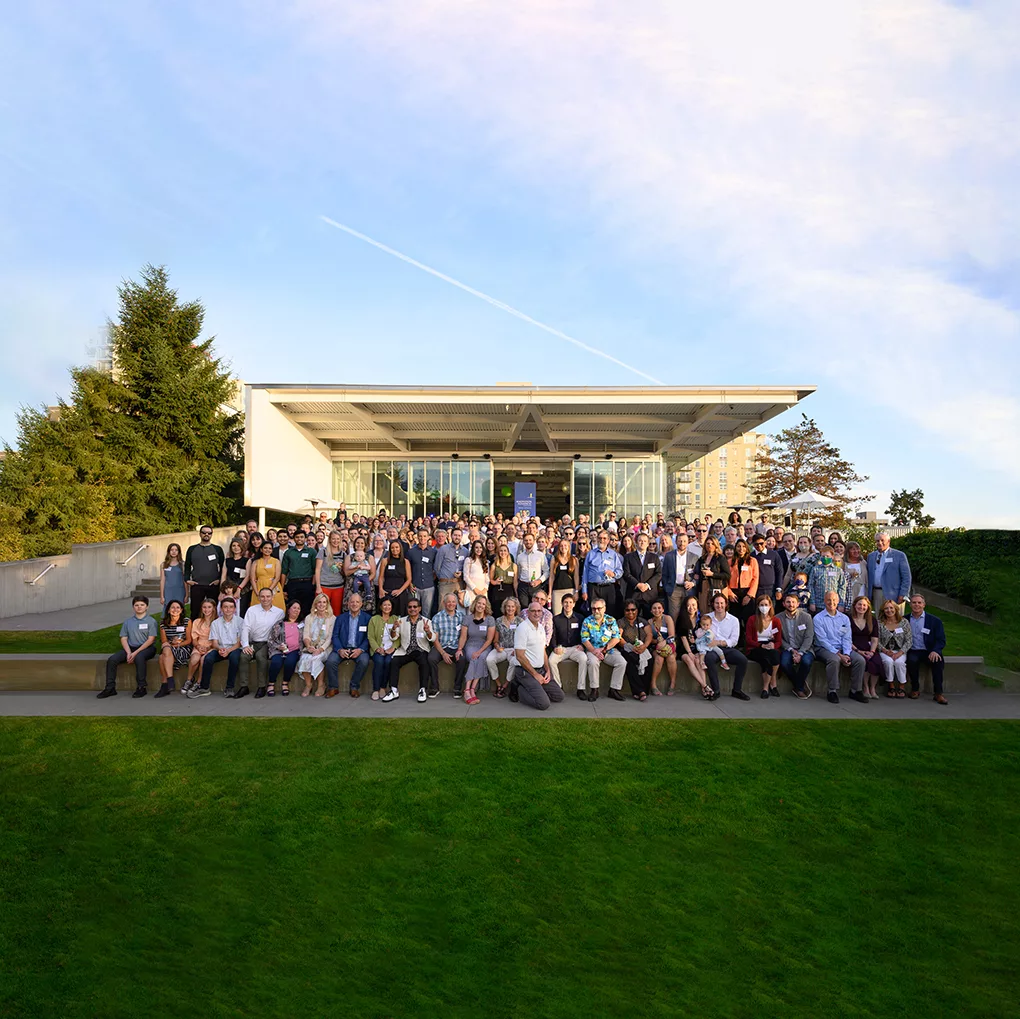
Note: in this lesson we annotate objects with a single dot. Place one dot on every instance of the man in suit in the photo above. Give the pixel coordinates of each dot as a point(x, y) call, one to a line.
point(929, 643)
point(641, 574)
point(888, 572)
point(678, 573)
point(350, 643)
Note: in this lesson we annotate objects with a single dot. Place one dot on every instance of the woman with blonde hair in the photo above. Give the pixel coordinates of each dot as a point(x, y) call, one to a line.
point(894, 641)
point(476, 635)
point(200, 642)
point(316, 643)
point(502, 577)
point(503, 644)
point(712, 572)
point(864, 636)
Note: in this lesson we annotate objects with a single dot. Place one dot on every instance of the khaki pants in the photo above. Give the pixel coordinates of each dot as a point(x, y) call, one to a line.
point(570, 654)
point(613, 659)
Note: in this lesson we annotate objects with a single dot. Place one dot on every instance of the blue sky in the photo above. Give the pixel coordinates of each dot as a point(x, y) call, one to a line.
point(792, 192)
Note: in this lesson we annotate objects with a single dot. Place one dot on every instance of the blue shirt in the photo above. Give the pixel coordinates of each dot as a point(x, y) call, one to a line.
point(595, 565)
point(833, 632)
point(917, 633)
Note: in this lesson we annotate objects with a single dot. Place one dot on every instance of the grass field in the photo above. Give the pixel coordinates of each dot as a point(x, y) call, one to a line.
point(219, 867)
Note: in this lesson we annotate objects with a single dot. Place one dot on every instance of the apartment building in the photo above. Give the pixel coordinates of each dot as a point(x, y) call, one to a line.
point(718, 480)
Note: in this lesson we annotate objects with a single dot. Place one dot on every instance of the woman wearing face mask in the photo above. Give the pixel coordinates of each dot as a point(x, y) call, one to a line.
point(764, 637)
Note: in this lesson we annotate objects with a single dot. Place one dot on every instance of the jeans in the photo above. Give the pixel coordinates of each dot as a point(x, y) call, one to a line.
point(141, 665)
point(381, 665)
point(233, 660)
point(914, 659)
point(287, 662)
point(426, 595)
point(333, 661)
point(798, 673)
point(736, 660)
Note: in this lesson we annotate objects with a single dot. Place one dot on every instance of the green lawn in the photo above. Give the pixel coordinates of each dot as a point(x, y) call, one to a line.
point(273, 867)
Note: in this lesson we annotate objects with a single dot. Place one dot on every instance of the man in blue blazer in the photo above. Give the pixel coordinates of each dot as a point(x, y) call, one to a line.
point(929, 643)
point(350, 643)
point(677, 574)
point(888, 574)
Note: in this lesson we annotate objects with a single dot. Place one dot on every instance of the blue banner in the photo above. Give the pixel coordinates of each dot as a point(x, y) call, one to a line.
point(524, 497)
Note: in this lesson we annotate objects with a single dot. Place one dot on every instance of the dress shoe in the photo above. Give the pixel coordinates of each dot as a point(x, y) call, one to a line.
point(242, 691)
point(260, 692)
point(940, 699)
point(582, 695)
point(354, 692)
point(140, 691)
point(109, 691)
point(163, 691)
point(774, 691)
point(914, 694)
point(615, 694)
point(331, 692)
point(860, 696)
point(593, 695)
point(740, 695)
point(833, 697)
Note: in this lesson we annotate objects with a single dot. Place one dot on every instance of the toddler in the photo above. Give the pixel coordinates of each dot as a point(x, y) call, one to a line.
point(703, 638)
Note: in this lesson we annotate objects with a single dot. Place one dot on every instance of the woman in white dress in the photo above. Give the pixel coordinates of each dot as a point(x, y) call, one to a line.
point(476, 575)
point(316, 644)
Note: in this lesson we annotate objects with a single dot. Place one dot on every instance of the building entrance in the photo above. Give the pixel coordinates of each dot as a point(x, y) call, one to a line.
point(552, 486)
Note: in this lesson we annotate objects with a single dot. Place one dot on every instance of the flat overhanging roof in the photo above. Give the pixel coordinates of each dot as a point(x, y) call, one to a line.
point(509, 420)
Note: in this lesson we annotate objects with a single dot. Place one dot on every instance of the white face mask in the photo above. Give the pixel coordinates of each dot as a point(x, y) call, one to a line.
point(763, 609)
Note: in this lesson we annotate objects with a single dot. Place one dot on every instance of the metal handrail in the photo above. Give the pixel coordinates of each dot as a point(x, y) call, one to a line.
point(133, 554)
point(41, 575)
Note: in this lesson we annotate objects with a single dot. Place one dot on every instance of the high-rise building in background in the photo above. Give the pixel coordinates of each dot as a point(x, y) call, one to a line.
point(717, 481)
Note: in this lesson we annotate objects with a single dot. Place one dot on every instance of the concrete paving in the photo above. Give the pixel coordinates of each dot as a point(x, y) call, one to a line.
point(85, 617)
point(973, 704)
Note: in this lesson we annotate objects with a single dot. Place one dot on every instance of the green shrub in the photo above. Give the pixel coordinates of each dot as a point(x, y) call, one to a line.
point(956, 562)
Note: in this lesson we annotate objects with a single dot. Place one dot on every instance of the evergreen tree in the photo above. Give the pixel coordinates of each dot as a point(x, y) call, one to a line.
point(150, 447)
point(800, 459)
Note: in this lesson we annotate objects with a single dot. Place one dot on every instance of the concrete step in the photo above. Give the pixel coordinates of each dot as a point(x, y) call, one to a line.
point(1002, 679)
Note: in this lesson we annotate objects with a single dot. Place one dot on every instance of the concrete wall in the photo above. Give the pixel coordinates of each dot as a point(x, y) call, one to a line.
point(89, 574)
point(283, 466)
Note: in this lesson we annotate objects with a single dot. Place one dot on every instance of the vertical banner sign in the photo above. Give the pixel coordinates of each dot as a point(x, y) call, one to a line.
point(524, 497)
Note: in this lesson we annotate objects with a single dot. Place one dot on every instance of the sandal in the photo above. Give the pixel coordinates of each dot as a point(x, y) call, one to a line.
point(319, 689)
point(284, 689)
point(307, 690)
point(643, 696)
point(901, 692)
point(656, 691)
point(672, 689)
point(271, 690)
point(891, 692)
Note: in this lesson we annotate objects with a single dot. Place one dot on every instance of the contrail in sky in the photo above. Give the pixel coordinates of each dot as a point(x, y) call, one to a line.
point(490, 300)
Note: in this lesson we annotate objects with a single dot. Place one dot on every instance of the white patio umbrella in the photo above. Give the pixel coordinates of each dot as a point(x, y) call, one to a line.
point(806, 501)
point(314, 505)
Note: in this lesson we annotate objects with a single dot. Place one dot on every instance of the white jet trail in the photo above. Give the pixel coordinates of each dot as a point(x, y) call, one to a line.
point(485, 297)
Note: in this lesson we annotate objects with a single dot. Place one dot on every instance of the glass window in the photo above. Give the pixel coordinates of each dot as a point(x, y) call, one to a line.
point(416, 487)
point(582, 487)
point(399, 487)
point(433, 488)
point(384, 485)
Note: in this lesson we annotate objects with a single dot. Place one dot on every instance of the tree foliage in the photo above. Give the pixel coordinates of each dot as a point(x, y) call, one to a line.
point(908, 507)
point(799, 459)
point(150, 447)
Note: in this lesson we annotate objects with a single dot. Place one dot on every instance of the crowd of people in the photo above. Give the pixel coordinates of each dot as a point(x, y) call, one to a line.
point(642, 596)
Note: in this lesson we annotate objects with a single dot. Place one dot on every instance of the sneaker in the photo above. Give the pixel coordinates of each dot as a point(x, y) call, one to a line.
point(186, 686)
point(200, 692)
point(230, 693)
point(457, 695)
point(392, 696)
point(434, 693)
point(422, 696)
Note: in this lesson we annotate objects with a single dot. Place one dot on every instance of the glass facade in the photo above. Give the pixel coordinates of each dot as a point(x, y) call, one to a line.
point(413, 487)
point(627, 486)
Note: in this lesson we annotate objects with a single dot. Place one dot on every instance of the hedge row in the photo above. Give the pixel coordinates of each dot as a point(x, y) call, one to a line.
point(956, 562)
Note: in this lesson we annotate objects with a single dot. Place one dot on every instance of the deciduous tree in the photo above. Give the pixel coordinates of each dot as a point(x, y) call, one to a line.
point(908, 507)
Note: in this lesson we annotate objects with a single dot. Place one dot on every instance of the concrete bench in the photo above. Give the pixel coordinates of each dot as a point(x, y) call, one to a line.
point(88, 672)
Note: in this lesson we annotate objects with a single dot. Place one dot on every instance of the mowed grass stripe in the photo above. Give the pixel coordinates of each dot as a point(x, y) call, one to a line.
point(558, 867)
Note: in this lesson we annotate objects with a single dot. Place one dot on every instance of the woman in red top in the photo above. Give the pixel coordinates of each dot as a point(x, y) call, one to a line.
point(764, 638)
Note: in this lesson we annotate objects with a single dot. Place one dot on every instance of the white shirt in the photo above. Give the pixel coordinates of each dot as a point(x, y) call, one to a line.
point(258, 622)
point(532, 640)
point(227, 634)
point(727, 629)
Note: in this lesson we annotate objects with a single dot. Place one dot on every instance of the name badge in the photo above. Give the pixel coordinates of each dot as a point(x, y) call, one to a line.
point(482, 627)
point(925, 630)
point(424, 558)
point(887, 559)
point(574, 626)
point(362, 629)
point(899, 629)
point(304, 555)
point(565, 567)
point(239, 570)
point(143, 626)
point(766, 562)
point(663, 629)
point(212, 558)
point(802, 626)
point(513, 626)
point(649, 566)
point(391, 567)
point(168, 569)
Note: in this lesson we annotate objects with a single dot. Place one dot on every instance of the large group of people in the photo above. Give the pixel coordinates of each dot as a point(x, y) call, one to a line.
point(642, 596)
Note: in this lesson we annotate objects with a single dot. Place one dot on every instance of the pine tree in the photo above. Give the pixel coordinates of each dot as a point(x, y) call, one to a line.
point(150, 447)
point(800, 459)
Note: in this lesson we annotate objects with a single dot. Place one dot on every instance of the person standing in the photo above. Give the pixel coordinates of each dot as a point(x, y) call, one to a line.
point(769, 569)
point(255, 631)
point(450, 559)
point(826, 576)
point(502, 578)
point(856, 571)
point(927, 643)
point(203, 566)
point(393, 577)
point(534, 684)
point(712, 573)
point(329, 573)
point(171, 577)
point(350, 643)
point(603, 569)
point(834, 646)
point(532, 569)
point(677, 576)
point(422, 557)
point(235, 571)
point(642, 573)
point(566, 644)
point(476, 574)
point(888, 572)
point(137, 646)
point(298, 568)
point(266, 573)
point(725, 635)
point(563, 579)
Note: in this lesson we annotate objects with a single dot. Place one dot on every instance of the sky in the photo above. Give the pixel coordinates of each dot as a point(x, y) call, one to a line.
point(725, 193)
